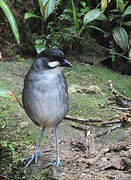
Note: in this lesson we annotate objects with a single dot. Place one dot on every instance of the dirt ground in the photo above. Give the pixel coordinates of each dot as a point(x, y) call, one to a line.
point(77, 162)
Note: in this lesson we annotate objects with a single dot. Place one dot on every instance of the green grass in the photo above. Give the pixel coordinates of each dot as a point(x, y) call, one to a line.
point(14, 140)
point(87, 105)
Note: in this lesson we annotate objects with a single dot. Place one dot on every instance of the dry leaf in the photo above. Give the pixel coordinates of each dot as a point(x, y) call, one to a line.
point(24, 124)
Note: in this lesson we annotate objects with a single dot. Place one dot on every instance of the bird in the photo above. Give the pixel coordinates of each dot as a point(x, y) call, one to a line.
point(45, 94)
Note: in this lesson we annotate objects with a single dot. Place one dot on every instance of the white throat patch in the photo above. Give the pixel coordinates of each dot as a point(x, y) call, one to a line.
point(53, 64)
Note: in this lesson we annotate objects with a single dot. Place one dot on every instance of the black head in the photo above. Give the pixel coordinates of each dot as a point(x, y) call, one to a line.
point(52, 53)
point(51, 58)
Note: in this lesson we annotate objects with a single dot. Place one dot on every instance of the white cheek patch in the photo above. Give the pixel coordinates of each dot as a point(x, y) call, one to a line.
point(53, 64)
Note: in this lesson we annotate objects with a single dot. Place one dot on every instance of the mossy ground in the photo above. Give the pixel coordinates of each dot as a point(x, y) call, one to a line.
point(17, 143)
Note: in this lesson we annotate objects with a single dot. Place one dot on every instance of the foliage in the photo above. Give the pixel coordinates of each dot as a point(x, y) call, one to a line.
point(115, 21)
point(46, 8)
point(77, 22)
point(117, 18)
point(108, 18)
point(70, 21)
point(83, 17)
point(11, 19)
point(121, 37)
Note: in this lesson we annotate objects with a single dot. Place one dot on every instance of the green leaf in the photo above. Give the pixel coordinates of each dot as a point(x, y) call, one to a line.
point(81, 29)
point(102, 17)
point(11, 148)
point(127, 11)
point(84, 10)
point(75, 17)
point(42, 3)
point(128, 23)
point(31, 15)
point(49, 8)
point(92, 15)
point(40, 45)
point(121, 37)
point(113, 16)
point(97, 28)
point(120, 4)
point(11, 20)
point(114, 10)
point(68, 11)
point(46, 7)
point(83, 3)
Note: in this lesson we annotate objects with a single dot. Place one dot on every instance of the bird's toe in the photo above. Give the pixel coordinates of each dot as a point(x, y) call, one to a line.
point(58, 163)
point(34, 157)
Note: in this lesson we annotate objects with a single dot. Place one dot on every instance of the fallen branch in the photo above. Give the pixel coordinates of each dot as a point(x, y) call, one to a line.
point(114, 117)
point(80, 120)
point(90, 89)
point(79, 128)
point(107, 130)
point(111, 122)
point(120, 109)
point(100, 133)
point(116, 93)
point(107, 104)
point(119, 146)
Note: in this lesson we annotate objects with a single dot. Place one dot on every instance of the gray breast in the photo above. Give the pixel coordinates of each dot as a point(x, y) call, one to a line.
point(45, 97)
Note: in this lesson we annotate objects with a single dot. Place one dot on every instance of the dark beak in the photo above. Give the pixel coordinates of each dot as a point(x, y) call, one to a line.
point(66, 63)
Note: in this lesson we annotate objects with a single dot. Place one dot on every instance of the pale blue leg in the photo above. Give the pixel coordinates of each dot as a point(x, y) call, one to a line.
point(35, 156)
point(57, 147)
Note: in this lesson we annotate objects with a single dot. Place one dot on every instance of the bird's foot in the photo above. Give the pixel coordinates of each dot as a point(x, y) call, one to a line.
point(54, 164)
point(58, 163)
point(33, 157)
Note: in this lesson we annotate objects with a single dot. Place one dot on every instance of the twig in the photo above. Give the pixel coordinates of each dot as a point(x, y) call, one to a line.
point(120, 109)
point(9, 44)
point(15, 98)
point(107, 130)
point(90, 89)
point(107, 104)
point(102, 47)
point(80, 120)
point(112, 122)
point(114, 117)
point(111, 88)
point(120, 146)
point(79, 128)
point(100, 133)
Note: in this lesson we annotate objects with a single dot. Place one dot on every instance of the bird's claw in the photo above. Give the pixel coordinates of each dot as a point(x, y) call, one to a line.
point(34, 157)
point(57, 163)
